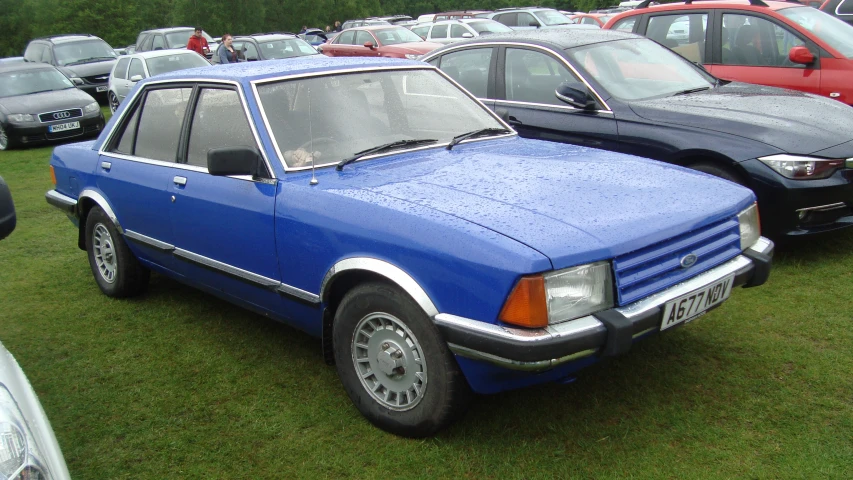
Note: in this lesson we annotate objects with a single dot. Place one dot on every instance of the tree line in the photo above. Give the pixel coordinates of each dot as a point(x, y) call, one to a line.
point(120, 21)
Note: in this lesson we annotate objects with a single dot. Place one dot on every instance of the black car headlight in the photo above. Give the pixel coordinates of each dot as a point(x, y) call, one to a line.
point(20, 118)
point(799, 167)
point(92, 108)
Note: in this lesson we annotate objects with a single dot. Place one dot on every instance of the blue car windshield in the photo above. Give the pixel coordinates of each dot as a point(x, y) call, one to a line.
point(331, 117)
point(26, 82)
point(639, 69)
point(838, 34)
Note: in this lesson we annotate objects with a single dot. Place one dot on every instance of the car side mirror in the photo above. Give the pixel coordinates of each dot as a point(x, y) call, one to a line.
point(239, 160)
point(467, 35)
point(534, 24)
point(7, 211)
point(575, 94)
point(77, 81)
point(801, 55)
point(158, 48)
point(136, 78)
point(369, 45)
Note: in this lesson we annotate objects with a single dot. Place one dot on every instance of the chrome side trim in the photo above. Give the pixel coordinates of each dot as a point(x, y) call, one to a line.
point(528, 336)
point(102, 202)
point(831, 206)
point(298, 293)
point(148, 241)
point(67, 204)
point(762, 245)
point(694, 283)
point(515, 364)
point(548, 105)
point(181, 166)
point(387, 270)
point(246, 275)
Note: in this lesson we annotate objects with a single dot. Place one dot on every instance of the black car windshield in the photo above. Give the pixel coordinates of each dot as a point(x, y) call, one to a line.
point(180, 39)
point(293, 47)
point(393, 36)
point(639, 69)
point(83, 52)
point(489, 26)
point(553, 17)
point(178, 61)
point(332, 117)
point(838, 34)
point(25, 82)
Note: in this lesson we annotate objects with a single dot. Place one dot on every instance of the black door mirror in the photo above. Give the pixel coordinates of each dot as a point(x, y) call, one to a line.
point(240, 160)
point(575, 94)
point(7, 211)
point(534, 24)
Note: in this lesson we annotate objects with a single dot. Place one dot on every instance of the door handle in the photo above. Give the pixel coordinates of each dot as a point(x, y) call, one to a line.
point(106, 166)
point(513, 121)
point(180, 181)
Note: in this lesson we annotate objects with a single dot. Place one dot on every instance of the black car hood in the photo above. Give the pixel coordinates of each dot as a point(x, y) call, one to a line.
point(90, 69)
point(792, 121)
point(46, 102)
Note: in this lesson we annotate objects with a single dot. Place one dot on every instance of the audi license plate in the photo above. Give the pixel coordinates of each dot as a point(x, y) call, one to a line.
point(687, 307)
point(102, 88)
point(63, 127)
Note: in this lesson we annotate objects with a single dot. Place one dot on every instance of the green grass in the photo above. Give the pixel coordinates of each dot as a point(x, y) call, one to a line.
point(178, 384)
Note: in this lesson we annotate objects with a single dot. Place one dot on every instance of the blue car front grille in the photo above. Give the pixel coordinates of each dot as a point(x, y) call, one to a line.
point(654, 268)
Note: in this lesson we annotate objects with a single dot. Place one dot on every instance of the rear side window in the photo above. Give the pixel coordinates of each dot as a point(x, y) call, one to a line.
point(683, 34)
point(121, 69)
point(218, 121)
point(160, 123)
point(625, 25)
point(127, 136)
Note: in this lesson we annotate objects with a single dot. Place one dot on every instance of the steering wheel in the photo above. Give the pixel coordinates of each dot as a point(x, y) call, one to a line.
point(312, 144)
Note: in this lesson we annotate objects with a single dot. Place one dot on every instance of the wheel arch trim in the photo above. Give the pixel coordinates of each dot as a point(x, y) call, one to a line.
point(103, 203)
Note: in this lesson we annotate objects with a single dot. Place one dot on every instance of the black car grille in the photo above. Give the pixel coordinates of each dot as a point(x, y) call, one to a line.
point(97, 79)
point(656, 267)
point(60, 115)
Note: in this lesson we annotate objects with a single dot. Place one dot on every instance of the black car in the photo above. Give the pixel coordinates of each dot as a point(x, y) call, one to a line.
point(39, 104)
point(621, 92)
point(85, 59)
point(842, 9)
point(270, 46)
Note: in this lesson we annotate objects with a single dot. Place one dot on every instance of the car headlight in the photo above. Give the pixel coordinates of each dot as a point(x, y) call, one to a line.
point(802, 168)
point(92, 107)
point(554, 297)
point(20, 117)
point(412, 57)
point(750, 226)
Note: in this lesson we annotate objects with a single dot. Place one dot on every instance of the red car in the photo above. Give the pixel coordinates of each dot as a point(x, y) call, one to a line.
point(782, 44)
point(378, 41)
point(597, 19)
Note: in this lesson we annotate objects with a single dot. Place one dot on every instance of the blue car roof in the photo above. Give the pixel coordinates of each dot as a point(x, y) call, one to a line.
point(249, 71)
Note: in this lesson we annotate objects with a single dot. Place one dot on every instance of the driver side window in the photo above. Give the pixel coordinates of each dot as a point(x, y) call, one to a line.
point(753, 41)
point(532, 77)
point(218, 121)
point(345, 38)
point(158, 43)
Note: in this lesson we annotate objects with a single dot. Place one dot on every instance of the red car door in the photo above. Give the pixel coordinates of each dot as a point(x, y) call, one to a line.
point(342, 45)
point(362, 37)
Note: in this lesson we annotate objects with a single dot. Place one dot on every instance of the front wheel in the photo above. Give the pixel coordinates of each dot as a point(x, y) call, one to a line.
point(117, 271)
point(114, 103)
point(393, 363)
point(6, 142)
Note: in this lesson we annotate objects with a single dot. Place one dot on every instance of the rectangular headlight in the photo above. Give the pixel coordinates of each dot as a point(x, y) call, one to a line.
point(750, 226)
point(20, 117)
point(578, 291)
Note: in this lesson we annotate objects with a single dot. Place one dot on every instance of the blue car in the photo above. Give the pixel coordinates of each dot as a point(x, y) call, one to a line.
point(433, 251)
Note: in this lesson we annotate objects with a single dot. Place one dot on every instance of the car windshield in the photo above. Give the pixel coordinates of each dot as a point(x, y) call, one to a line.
point(489, 26)
point(179, 61)
point(293, 47)
point(836, 33)
point(639, 69)
point(180, 39)
point(32, 81)
point(553, 17)
point(83, 52)
point(380, 107)
point(393, 36)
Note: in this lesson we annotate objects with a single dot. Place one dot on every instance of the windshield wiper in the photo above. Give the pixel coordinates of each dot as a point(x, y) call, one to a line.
point(380, 148)
point(475, 133)
point(691, 90)
point(88, 60)
point(40, 91)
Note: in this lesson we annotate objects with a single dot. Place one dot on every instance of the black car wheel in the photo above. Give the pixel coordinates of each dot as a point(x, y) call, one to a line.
point(393, 363)
point(117, 271)
point(6, 142)
point(114, 103)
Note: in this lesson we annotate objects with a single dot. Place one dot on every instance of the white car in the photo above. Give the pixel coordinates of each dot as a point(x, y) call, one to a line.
point(450, 31)
point(130, 69)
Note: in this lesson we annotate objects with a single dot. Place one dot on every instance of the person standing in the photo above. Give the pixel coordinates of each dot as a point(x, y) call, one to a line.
point(198, 43)
point(337, 26)
point(226, 51)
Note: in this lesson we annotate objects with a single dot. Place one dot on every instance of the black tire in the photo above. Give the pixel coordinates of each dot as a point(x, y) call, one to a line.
point(6, 141)
point(117, 271)
point(113, 102)
point(444, 393)
point(718, 171)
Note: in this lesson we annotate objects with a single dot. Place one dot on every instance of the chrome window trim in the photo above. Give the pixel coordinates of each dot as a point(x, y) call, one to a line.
point(102, 202)
point(287, 169)
point(529, 45)
point(385, 269)
point(837, 7)
point(243, 100)
point(161, 163)
point(547, 105)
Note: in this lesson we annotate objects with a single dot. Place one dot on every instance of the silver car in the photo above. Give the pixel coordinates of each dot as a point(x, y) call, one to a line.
point(130, 69)
point(450, 31)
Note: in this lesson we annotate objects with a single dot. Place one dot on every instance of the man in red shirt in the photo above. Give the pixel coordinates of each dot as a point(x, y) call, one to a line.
point(198, 44)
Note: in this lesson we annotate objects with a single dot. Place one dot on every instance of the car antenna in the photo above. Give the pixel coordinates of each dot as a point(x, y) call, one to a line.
point(314, 180)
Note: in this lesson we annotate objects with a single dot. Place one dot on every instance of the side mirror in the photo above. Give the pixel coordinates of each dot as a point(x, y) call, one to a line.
point(240, 160)
point(801, 55)
point(575, 94)
point(77, 81)
point(369, 45)
point(7, 211)
point(136, 78)
point(534, 24)
point(467, 35)
point(158, 48)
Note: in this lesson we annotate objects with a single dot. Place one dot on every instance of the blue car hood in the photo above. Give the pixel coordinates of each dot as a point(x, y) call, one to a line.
point(572, 204)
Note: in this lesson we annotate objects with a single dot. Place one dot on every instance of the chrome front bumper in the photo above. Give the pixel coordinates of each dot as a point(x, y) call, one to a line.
point(607, 333)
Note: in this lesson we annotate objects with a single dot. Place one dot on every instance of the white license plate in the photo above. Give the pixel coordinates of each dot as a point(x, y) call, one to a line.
point(63, 127)
point(102, 88)
point(687, 307)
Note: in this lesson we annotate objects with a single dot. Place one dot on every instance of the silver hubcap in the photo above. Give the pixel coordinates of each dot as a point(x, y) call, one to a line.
point(104, 250)
point(4, 140)
point(389, 361)
point(113, 103)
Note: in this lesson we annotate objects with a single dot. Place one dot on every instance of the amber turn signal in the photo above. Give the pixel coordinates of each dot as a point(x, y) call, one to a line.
point(52, 175)
point(526, 305)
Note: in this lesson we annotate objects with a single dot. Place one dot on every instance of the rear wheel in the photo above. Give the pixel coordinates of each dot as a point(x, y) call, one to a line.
point(117, 271)
point(393, 363)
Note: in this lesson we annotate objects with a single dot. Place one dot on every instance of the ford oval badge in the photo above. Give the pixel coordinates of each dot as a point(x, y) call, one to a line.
point(688, 260)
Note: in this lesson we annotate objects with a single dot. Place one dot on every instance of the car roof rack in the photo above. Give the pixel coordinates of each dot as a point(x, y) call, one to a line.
point(60, 35)
point(757, 3)
point(519, 8)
